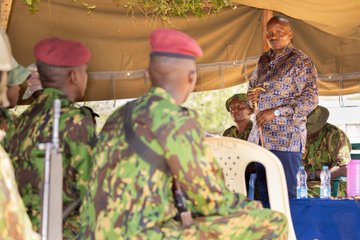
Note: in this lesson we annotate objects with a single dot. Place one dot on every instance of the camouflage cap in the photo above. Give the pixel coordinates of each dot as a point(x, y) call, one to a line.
point(316, 119)
point(18, 75)
point(239, 96)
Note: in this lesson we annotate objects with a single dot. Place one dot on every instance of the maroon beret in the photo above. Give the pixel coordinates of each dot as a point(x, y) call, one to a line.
point(62, 53)
point(172, 43)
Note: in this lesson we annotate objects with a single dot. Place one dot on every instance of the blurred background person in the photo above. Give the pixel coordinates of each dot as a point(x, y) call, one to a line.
point(14, 222)
point(16, 78)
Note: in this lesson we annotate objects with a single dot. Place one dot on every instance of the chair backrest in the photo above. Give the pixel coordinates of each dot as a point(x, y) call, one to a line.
point(234, 155)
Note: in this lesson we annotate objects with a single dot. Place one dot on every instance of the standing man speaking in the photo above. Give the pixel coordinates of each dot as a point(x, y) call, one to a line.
point(288, 78)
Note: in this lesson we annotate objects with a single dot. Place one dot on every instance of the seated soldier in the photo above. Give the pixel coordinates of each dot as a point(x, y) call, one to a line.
point(14, 222)
point(62, 68)
point(326, 145)
point(152, 140)
point(241, 112)
point(16, 77)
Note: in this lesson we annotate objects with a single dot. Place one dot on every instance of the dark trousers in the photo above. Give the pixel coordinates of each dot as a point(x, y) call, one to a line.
point(291, 162)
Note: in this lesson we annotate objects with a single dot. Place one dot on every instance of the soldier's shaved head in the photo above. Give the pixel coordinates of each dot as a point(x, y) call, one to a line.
point(165, 70)
point(51, 76)
point(67, 79)
point(176, 75)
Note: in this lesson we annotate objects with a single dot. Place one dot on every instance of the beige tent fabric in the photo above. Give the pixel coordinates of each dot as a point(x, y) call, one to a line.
point(231, 41)
point(340, 18)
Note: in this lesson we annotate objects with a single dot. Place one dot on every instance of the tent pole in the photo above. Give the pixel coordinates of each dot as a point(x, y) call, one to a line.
point(266, 15)
point(5, 9)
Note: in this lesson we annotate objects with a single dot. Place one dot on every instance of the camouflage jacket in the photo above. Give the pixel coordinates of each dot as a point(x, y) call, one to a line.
point(233, 132)
point(7, 118)
point(77, 138)
point(14, 222)
point(130, 199)
point(332, 148)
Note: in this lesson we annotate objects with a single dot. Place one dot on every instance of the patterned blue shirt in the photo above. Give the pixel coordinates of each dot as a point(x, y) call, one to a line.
point(290, 82)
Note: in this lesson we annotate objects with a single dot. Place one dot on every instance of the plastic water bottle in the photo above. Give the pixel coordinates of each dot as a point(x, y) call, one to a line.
point(301, 188)
point(325, 187)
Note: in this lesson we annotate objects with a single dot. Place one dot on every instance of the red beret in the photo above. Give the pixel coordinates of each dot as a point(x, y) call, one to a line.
point(172, 43)
point(62, 53)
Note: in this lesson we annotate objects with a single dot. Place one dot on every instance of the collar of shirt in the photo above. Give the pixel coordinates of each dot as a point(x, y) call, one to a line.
point(276, 58)
point(162, 93)
point(53, 93)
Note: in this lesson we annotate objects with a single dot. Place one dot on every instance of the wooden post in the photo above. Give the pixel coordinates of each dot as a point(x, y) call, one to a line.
point(5, 8)
point(266, 15)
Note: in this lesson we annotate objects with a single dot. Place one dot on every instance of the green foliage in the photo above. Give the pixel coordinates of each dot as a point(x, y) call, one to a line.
point(165, 9)
point(210, 106)
point(154, 9)
point(34, 5)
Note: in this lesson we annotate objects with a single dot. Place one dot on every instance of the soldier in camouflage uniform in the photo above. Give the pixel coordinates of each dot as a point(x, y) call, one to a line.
point(240, 112)
point(326, 145)
point(14, 222)
point(130, 194)
point(62, 68)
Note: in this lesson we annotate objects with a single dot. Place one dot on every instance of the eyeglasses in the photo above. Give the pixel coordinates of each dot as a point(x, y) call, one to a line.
point(237, 107)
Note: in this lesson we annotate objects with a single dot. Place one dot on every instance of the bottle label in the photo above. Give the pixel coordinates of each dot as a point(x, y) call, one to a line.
point(301, 193)
point(325, 192)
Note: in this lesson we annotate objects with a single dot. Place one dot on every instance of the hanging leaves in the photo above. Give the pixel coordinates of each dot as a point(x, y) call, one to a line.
point(34, 5)
point(154, 9)
point(166, 9)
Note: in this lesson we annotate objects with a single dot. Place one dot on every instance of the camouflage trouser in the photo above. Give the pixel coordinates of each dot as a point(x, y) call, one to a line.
point(314, 189)
point(257, 224)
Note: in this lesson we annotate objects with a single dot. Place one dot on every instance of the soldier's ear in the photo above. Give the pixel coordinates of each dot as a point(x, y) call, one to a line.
point(192, 77)
point(74, 76)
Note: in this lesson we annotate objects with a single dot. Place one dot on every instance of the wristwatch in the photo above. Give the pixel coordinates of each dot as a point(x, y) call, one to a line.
point(277, 112)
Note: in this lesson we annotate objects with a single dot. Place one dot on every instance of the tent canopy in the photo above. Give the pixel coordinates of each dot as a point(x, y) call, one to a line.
point(328, 31)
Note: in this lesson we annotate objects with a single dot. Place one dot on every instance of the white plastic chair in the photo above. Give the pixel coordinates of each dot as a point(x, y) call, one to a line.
point(234, 155)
